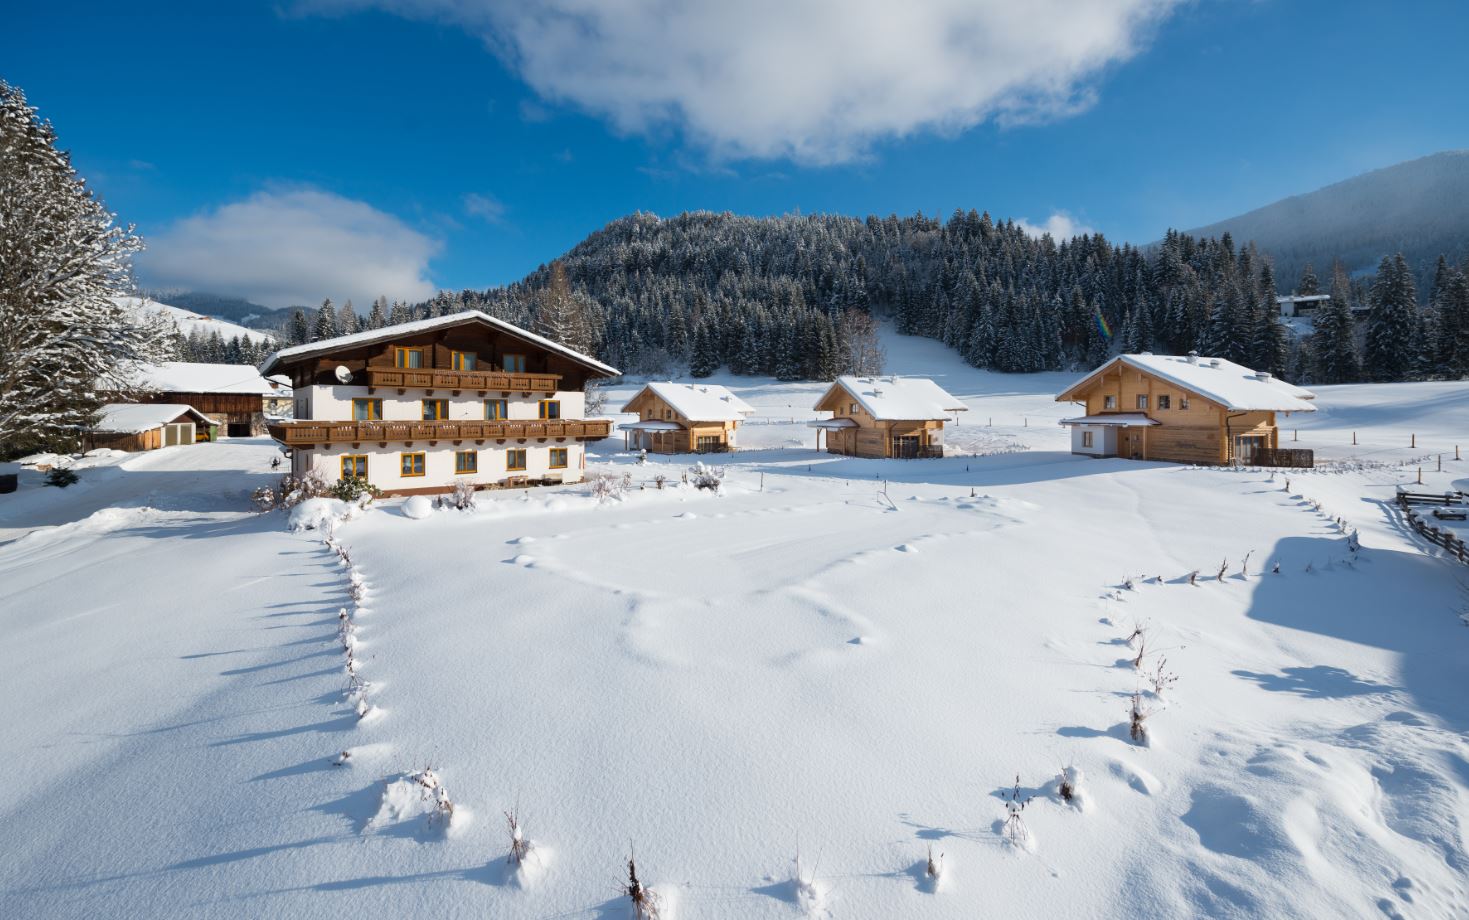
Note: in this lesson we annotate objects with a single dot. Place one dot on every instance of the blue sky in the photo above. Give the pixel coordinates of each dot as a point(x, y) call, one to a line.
point(288, 152)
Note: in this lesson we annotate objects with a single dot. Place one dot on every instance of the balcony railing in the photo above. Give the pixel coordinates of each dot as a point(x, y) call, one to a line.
point(400, 378)
point(310, 433)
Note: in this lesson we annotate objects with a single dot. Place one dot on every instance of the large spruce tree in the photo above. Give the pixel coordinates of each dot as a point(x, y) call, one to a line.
point(1391, 348)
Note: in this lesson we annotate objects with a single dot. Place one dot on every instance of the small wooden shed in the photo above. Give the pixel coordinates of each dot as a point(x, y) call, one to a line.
point(149, 426)
point(683, 418)
point(881, 417)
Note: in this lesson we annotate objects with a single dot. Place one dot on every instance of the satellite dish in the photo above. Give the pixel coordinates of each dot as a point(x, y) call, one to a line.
point(344, 374)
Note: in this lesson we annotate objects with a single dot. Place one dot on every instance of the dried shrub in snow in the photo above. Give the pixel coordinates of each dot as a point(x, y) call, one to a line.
point(1275, 569)
point(1065, 788)
point(1138, 718)
point(644, 900)
point(264, 499)
point(1244, 566)
point(1160, 678)
point(341, 759)
point(433, 792)
point(933, 870)
point(809, 893)
point(710, 478)
point(1193, 578)
point(1140, 642)
point(660, 481)
point(519, 845)
point(1127, 583)
point(1014, 830)
point(294, 491)
point(1223, 567)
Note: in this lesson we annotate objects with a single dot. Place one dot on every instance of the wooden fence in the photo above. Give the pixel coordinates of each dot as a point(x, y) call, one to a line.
point(1438, 536)
point(1292, 457)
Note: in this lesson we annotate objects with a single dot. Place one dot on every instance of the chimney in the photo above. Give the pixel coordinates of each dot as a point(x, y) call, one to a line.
point(1193, 357)
point(1262, 376)
point(1213, 362)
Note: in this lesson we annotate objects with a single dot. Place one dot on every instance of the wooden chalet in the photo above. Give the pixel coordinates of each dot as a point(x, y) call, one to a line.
point(236, 397)
point(1183, 409)
point(415, 407)
point(682, 418)
point(882, 417)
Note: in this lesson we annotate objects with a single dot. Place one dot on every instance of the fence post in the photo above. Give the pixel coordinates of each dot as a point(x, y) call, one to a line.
point(1413, 443)
point(1354, 439)
point(1420, 475)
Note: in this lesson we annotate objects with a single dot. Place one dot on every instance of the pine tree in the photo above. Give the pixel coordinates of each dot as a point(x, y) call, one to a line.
point(705, 360)
point(561, 315)
point(1333, 343)
point(1309, 283)
point(326, 322)
point(1454, 326)
point(346, 319)
point(63, 338)
point(298, 330)
point(1392, 326)
point(378, 317)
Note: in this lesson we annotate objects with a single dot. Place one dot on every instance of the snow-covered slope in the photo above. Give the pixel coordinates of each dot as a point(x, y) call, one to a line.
point(189, 322)
point(860, 660)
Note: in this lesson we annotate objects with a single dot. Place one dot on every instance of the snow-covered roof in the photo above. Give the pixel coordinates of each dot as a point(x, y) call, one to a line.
point(1115, 419)
point(1302, 298)
point(133, 418)
point(190, 377)
point(832, 423)
point(428, 325)
point(652, 425)
point(1233, 386)
point(699, 402)
point(898, 398)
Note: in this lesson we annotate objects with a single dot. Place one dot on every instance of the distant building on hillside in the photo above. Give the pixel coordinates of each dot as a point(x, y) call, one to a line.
point(1184, 409)
point(236, 396)
point(679, 418)
point(1300, 304)
point(149, 426)
point(882, 417)
point(414, 408)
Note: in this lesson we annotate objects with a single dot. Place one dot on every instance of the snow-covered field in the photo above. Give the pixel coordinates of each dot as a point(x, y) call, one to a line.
point(857, 660)
point(188, 322)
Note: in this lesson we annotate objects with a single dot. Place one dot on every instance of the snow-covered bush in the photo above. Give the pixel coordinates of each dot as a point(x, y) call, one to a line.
point(418, 507)
point(355, 489)
point(61, 477)
point(1138, 719)
point(462, 497)
point(706, 477)
point(321, 514)
point(264, 499)
point(294, 491)
point(607, 487)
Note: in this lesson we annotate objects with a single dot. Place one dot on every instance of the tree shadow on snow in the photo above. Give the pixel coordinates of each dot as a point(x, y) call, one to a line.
point(1319, 682)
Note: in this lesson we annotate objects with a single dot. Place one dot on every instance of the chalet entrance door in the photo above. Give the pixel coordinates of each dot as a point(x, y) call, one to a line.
point(906, 446)
point(1134, 444)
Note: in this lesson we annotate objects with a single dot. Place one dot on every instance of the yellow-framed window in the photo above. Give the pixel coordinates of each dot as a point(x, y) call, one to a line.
point(410, 464)
point(466, 461)
point(496, 409)
point(367, 410)
point(435, 410)
point(558, 458)
point(354, 466)
point(514, 364)
point(462, 360)
point(407, 357)
point(515, 458)
point(550, 408)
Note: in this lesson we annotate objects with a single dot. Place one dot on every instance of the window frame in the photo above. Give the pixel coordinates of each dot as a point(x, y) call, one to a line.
point(376, 405)
point(1108, 401)
point(1142, 402)
point(355, 458)
point(513, 363)
point(511, 452)
point(504, 407)
point(1087, 440)
point(546, 406)
point(1183, 401)
point(457, 360)
point(400, 350)
point(459, 467)
point(565, 458)
point(1165, 401)
point(403, 460)
point(423, 409)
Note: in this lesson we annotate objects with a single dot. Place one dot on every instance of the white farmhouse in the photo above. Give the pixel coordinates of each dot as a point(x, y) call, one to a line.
point(414, 407)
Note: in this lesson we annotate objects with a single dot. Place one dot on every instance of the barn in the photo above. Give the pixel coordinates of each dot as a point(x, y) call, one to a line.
point(235, 396)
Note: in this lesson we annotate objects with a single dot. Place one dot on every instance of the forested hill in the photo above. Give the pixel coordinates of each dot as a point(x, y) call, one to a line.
point(1419, 208)
point(768, 295)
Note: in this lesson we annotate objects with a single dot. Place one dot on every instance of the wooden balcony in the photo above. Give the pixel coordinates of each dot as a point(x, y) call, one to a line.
point(431, 379)
point(311, 434)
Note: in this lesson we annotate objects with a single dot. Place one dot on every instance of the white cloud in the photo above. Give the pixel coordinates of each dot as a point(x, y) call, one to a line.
point(1060, 225)
point(818, 81)
point(297, 245)
point(486, 207)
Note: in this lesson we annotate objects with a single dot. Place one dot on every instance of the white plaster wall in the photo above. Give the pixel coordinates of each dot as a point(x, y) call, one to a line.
point(1104, 440)
point(384, 465)
point(334, 404)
